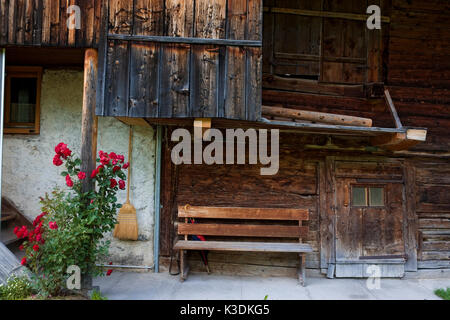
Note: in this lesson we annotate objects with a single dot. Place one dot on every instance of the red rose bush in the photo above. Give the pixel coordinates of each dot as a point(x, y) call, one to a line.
point(70, 229)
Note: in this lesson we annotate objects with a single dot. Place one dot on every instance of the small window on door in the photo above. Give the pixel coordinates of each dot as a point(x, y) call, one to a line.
point(22, 100)
point(366, 196)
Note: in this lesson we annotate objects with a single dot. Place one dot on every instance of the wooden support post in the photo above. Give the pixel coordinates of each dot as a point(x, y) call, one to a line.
point(394, 113)
point(302, 269)
point(89, 130)
point(88, 118)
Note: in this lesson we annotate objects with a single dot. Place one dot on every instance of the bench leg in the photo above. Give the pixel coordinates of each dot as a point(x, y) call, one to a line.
point(302, 269)
point(183, 265)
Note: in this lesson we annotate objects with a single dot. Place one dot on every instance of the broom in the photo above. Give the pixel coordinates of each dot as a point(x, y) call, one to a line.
point(127, 227)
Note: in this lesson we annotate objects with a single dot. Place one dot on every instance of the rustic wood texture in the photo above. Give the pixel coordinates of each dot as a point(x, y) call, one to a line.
point(44, 23)
point(88, 118)
point(414, 61)
point(243, 246)
point(186, 79)
point(319, 117)
point(242, 213)
point(431, 205)
point(235, 231)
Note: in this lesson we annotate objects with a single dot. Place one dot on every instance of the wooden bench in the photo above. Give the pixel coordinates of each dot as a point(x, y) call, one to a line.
point(275, 226)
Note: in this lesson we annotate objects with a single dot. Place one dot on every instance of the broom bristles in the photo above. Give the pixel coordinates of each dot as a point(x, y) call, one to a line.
point(127, 227)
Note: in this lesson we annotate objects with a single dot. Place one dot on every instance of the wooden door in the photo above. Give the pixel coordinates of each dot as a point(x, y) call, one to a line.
point(369, 227)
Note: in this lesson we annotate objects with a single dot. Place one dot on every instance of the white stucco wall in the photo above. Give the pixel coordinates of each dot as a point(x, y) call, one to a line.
point(28, 172)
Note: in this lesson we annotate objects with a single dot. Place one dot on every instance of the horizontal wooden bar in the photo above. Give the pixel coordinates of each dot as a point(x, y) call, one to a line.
point(242, 213)
point(243, 246)
point(323, 14)
point(240, 230)
point(320, 117)
point(186, 40)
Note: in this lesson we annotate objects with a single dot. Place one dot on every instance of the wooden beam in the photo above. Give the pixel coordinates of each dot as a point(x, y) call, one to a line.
point(186, 40)
point(200, 126)
point(89, 130)
point(324, 14)
point(88, 118)
point(394, 113)
point(141, 122)
point(316, 116)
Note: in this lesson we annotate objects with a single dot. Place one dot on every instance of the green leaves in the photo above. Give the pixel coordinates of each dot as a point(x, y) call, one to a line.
point(82, 219)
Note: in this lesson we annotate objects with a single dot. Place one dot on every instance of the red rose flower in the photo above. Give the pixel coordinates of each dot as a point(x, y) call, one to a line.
point(62, 150)
point(36, 247)
point(59, 147)
point(126, 165)
point(94, 173)
point(24, 261)
point(21, 247)
point(69, 181)
point(99, 168)
point(66, 152)
point(113, 183)
point(116, 168)
point(81, 175)
point(108, 273)
point(121, 184)
point(121, 158)
point(53, 225)
point(38, 238)
point(113, 156)
point(57, 160)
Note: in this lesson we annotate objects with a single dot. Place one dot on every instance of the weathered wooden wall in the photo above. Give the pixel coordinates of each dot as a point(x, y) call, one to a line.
point(44, 23)
point(416, 70)
point(165, 77)
point(431, 200)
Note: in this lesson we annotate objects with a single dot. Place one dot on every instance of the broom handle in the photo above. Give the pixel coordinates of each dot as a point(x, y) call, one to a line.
point(130, 148)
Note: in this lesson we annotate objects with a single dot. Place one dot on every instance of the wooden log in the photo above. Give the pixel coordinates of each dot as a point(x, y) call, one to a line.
point(88, 125)
point(316, 116)
point(89, 129)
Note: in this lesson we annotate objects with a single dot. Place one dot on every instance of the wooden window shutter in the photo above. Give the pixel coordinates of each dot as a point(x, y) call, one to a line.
point(322, 40)
point(181, 59)
point(344, 44)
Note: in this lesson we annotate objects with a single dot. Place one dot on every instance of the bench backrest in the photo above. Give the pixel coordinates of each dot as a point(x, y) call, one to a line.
point(272, 227)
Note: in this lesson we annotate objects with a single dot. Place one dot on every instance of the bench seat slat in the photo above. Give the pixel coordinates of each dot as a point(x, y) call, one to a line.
point(242, 213)
point(239, 230)
point(243, 246)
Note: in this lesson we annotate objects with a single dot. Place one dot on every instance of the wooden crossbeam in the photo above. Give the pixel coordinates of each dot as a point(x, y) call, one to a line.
point(313, 116)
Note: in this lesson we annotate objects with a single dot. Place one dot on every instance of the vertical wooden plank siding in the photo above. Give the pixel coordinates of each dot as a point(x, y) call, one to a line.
point(236, 61)
point(174, 83)
point(44, 23)
point(204, 95)
point(410, 217)
point(148, 17)
point(117, 73)
point(179, 18)
point(144, 89)
point(209, 22)
point(183, 79)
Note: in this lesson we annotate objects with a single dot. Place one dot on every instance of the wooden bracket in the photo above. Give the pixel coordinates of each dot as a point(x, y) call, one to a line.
point(200, 126)
point(394, 113)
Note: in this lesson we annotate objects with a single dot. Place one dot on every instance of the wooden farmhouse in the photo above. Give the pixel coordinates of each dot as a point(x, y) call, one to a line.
point(363, 113)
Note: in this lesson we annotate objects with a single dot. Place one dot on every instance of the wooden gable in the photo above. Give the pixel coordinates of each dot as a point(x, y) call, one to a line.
point(181, 59)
